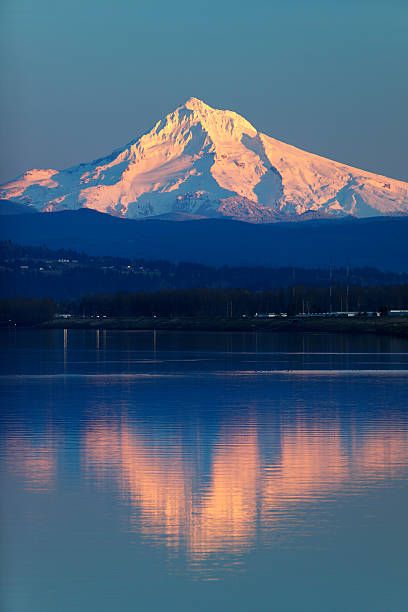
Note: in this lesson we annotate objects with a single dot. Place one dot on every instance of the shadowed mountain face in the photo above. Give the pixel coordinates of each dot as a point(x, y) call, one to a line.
point(378, 242)
point(203, 162)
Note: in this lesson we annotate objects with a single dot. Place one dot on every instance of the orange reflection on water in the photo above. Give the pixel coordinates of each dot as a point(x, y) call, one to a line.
point(225, 517)
point(242, 492)
point(257, 474)
point(312, 462)
point(156, 480)
point(34, 461)
point(380, 454)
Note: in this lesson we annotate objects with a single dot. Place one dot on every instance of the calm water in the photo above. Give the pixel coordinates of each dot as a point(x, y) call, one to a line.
point(169, 471)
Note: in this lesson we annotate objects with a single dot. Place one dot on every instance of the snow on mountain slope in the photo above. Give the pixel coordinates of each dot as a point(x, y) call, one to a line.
point(203, 162)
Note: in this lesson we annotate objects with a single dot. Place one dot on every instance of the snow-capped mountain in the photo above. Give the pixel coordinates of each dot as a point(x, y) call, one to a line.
point(199, 161)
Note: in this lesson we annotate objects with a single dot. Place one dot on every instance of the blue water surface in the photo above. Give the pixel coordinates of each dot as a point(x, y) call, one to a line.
point(203, 471)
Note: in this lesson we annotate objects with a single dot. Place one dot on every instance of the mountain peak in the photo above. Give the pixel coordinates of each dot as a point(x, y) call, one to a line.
point(196, 104)
point(221, 124)
point(207, 162)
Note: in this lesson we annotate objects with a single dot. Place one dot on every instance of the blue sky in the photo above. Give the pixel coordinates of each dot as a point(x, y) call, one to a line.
point(82, 77)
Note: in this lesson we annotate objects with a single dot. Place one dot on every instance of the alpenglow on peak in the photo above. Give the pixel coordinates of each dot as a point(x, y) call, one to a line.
point(203, 162)
point(196, 104)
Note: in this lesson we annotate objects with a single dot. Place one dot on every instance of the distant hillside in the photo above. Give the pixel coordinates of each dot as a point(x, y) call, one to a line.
point(7, 207)
point(380, 242)
point(65, 274)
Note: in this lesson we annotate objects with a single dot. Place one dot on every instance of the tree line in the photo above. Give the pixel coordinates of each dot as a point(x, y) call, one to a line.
point(238, 302)
point(39, 272)
point(207, 302)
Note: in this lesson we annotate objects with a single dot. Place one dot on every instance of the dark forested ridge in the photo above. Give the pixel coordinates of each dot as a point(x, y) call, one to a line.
point(379, 242)
point(68, 275)
point(38, 283)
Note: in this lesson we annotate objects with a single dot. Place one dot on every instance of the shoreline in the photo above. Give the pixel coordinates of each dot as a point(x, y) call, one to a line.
point(394, 326)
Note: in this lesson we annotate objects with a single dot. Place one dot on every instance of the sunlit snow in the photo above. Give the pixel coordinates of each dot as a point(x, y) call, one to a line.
point(206, 162)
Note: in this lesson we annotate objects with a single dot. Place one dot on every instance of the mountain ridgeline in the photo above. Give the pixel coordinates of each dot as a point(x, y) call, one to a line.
point(200, 162)
point(379, 242)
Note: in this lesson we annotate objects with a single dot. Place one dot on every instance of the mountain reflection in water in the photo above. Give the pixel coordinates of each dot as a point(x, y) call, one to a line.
point(258, 472)
point(222, 467)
